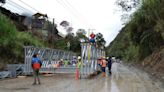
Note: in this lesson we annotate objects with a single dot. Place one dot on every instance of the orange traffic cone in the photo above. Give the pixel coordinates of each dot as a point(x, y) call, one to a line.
point(77, 74)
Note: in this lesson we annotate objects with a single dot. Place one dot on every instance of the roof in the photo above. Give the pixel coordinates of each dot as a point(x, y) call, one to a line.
point(37, 15)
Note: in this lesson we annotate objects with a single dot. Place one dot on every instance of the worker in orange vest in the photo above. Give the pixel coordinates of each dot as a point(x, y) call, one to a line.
point(103, 65)
point(36, 65)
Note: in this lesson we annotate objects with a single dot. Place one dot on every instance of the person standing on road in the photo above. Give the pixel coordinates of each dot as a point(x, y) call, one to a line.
point(78, 66)
point(109, 64)
point(104, 63)
point(66, 62)
point(74, 61)
point(36, 65)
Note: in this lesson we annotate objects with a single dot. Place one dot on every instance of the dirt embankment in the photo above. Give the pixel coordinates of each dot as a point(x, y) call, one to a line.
point(154, 64)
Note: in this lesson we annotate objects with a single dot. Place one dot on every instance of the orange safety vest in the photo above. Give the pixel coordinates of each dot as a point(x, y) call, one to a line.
point(36, 66)
point(103, 63)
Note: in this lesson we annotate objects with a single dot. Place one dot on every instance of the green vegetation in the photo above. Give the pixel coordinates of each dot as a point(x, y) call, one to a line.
point(75, 42)
point(60, 44)
point(12, 42)
point(143, 34)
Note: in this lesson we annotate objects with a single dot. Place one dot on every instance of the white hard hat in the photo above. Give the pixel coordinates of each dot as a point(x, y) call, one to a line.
point(79, 57)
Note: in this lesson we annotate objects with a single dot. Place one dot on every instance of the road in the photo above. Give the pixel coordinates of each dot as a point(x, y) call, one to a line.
point(125, 80)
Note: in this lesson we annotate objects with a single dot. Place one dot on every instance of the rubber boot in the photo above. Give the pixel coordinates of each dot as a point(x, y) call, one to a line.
point(103, 74)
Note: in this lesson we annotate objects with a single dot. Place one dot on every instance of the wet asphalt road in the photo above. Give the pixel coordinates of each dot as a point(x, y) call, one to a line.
point(123, 79)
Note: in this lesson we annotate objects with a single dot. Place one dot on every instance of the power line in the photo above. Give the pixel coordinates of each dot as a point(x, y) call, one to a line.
point(67, 7)
point(80, 17)
point(76, 11)
point(11, 7)
point(18, 6)
point(28, 5)
point(33, 8)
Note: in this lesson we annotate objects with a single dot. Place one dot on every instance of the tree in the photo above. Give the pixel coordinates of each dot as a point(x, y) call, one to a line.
point(74, 43)
point(65, 24)
point(128, 5)
point(100, 40)
point(69, 29)
point(81, 31)
point(69, 36)
point(80, 34)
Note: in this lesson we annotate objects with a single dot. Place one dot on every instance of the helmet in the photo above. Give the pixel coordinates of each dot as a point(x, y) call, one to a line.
point(102, 57)
point(79, 57)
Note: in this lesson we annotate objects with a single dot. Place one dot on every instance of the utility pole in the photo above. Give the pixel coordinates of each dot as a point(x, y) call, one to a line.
point(53, 29)
point(89, 33)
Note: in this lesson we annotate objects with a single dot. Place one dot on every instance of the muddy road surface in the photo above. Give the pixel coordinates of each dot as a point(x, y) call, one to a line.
point(123, 79)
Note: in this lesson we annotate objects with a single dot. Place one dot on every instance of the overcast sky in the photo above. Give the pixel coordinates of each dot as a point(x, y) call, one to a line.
point(100, 15)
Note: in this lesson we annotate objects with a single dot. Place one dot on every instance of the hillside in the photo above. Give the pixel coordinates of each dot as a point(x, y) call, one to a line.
point(155, 62)
point(142, 38)
point(12, 42)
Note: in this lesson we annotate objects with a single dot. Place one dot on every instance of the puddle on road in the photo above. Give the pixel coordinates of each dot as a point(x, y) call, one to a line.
point(114, 87)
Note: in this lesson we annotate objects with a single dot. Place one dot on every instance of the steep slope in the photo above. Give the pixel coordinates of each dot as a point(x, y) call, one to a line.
point(142, 38)
point(12, 42)
point(155, 61)
point(143, 34)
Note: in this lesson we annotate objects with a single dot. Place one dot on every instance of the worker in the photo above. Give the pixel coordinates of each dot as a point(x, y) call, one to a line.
point(74, 61)
point(78, 66)
point(103, 65)
point(109, 64)
point(79, 62)
point(36, 65)
point(61, 62)
point(66, 62)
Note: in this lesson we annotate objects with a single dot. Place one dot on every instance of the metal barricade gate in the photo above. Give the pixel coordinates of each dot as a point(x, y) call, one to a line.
point(90, 53)
point(49, 58)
